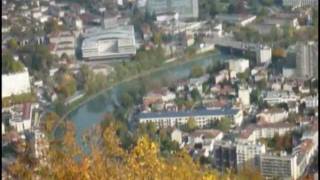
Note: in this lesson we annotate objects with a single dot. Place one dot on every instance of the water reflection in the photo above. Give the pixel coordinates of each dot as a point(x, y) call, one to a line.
point(92, 113)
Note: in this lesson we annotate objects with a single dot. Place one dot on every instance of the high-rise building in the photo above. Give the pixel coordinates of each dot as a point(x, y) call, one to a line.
point(244, 96)
point(307, 60)
point(185, 8)
point(224, 155)
point(283, 166)
point(248, 154)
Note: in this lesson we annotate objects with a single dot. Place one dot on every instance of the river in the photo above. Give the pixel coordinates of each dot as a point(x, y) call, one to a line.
point(92, 112)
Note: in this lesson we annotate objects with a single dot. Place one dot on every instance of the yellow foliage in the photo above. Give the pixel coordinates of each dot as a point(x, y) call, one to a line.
point(109, 161)
point(279, 52)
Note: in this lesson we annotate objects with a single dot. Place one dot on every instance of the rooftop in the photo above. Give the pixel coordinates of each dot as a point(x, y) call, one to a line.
point(21, 112)
point(276, 125)
point(206, 133)
point(306, 145)
point(233, 17)
point(202, 112)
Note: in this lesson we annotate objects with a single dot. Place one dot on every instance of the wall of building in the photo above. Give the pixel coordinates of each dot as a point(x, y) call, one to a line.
point(15, 84)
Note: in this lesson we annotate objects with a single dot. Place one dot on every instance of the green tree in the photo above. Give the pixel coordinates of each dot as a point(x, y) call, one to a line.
point(9, 65)
point(51, 26)
point(40, 58)
point(157, 39)
point(224, 124)
point(255, 96)
point(12, 44)
point(262, 84)
point(267, 2)
point(168, 146)
point(126, 100)
point(196, 71)
point(215, 8)
point(244, 76)
point(195, 94)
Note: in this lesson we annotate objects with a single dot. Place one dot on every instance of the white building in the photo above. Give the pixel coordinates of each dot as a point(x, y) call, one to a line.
point(276, 86)
point(15, 84)
point(109, 22)
point(276, 97)
point(217, 30)
point(206, 137)
point(3, 129)
point(263, 55)
point(248, 154)
point(254, 133)
point(311, 101)
point(196, 83)
point(224, 75)
point(187, 9)
point(176, 135)
point(62, 43)
point(163, 95)
point(284, 166)
point(238, 65)
point(293, 107)
point(109, 43)
point(21, 117)
point(244, 96)
point(300, 3)
point(273, 115)
point(307, 59)
point(288, 72)
point(202, 117)
point(41, 145)
point(236, 19)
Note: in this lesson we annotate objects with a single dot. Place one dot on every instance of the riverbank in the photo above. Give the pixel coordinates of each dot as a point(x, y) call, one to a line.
point(87, 98)
point(178, 61)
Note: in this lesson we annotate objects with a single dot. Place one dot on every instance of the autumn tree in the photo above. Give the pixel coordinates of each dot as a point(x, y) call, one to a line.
point(279, 53)
point(67, 85)
point(191, 125)
point(50, 121)
point(108, 160)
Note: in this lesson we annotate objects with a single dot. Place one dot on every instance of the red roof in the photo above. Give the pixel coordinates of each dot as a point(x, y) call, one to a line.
point(245, 133)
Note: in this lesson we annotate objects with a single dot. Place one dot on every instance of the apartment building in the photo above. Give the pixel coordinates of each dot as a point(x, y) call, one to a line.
point(248, 154)
point(283, 166)
point(203, 117)
point(224, 155)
